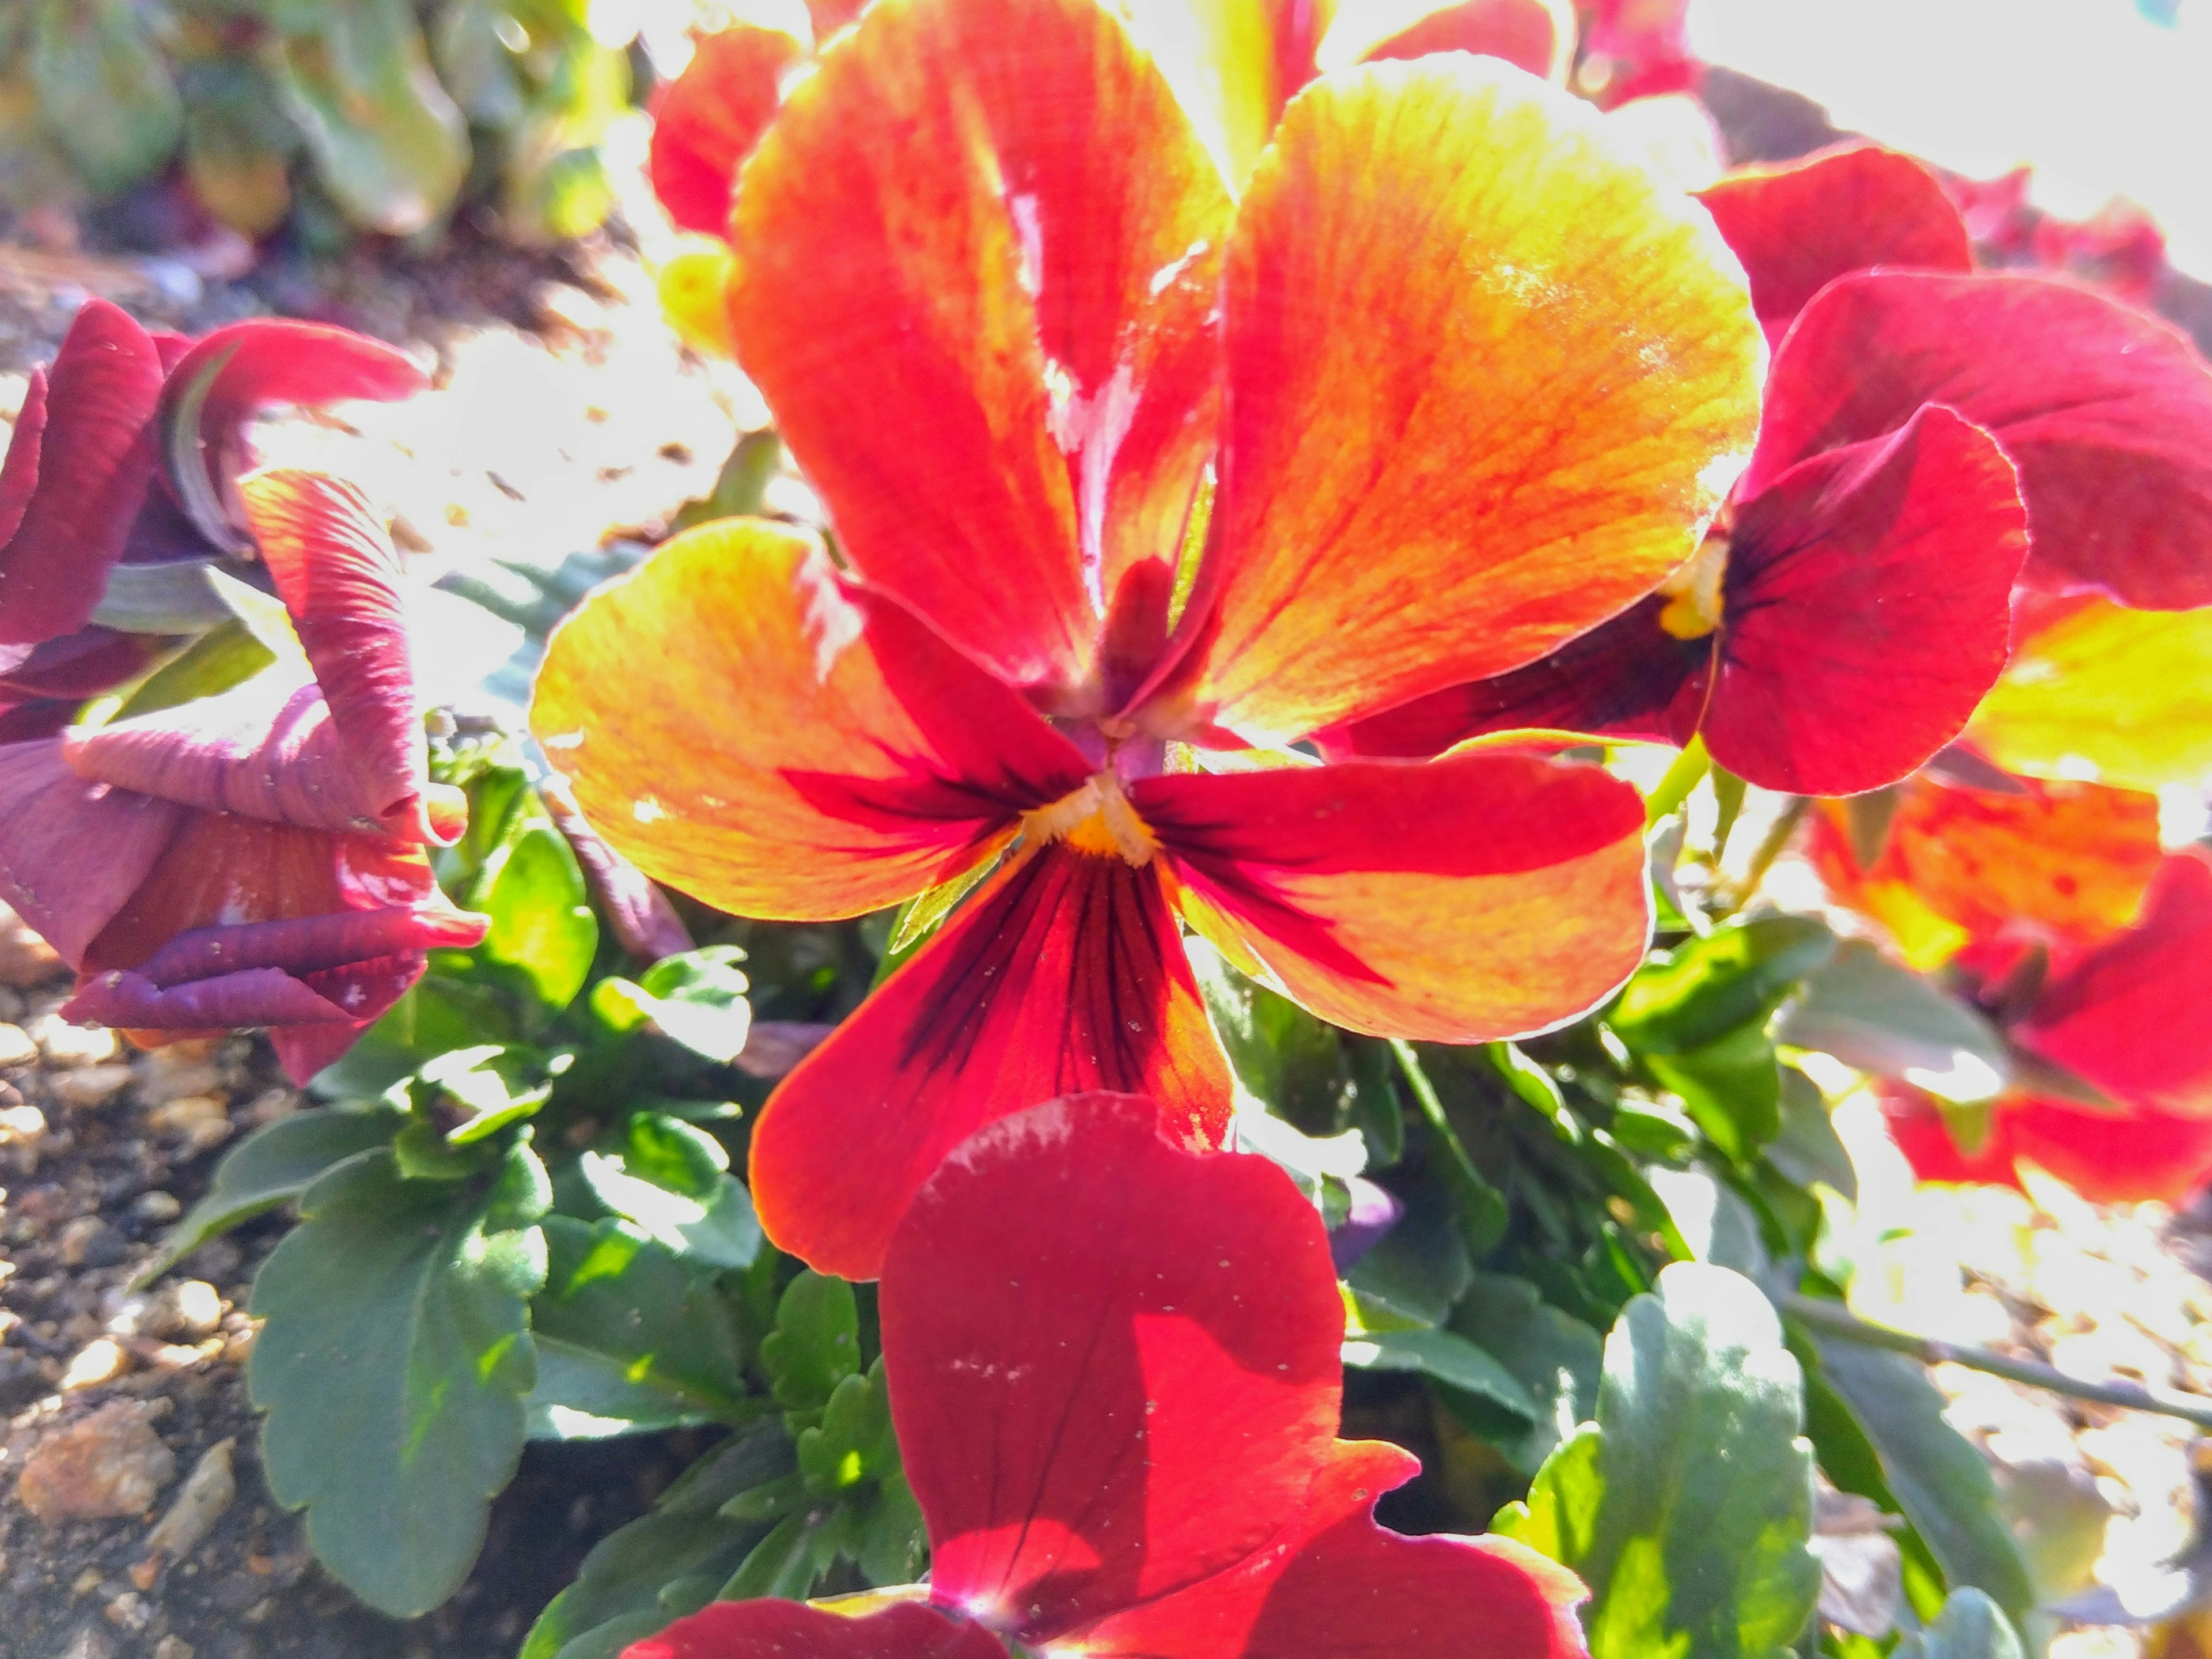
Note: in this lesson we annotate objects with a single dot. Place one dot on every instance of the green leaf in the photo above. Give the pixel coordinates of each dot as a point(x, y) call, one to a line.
point(1970, 1626)
point(238, 144)
point(1416, 1272)
point(1731, 1088)
point(666, 1565)
point(1703, 989)
point(788, 1563)
point(388, 143)
point(1879, 1017)
point(696, 998)
point(1555, 1357)
point(815, 1344)
point(104, 91)
point(1447, 1358)
point(393, 1366)
point(1941, 1482)
point(487, 1086)
point(854, 1442)
point(1807, 1149)
point(228, 656)
point(628, 1337)
point(542, 924)
point(671, 1179)
point(272, 1166)
point(1686, 1507)
point(741, 491)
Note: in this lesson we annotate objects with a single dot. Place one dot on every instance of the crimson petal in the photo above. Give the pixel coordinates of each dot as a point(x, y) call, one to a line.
point(1335, 1584)
point(791, 1630)
point(1799, 226)
point(18, 467)
point(1482, 896)
point(72, 853)
point(92, 462)
point(2130, 1015)
point(1867, 609)
point(1113, 1361)
point(242, 366)
point(707, 121)
point(2105, 411)
point(2131, 1156)
point(1065, 973)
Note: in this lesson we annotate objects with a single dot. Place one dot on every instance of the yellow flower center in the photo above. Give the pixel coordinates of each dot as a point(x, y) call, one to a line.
point(1097, 819)
point(1694, 593)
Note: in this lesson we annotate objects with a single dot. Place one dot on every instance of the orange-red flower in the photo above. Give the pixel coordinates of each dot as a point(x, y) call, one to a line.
point(1469, 382)
point(1114, 1375)
point(2126, 1017)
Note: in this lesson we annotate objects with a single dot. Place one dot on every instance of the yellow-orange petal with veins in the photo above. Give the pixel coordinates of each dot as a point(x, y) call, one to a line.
point(695, 297)
point(1487, 894)
point(978, 256)
point(1488, 380)
point(2122, 696)
point(1234, 64)
point(745, 725)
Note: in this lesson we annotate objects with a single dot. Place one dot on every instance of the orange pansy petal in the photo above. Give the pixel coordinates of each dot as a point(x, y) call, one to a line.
point(2070, 861)
point(707, 119)
point(2121, 695)
point(1234, 63)
point(978, 266)
point(1065, 974)
point(1483, 896)
point(1487, 381)
point(747, 727)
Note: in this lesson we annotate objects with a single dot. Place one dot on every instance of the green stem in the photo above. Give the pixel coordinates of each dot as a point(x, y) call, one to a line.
point(1688, 771)
point(1830, 1319)
point(1777, 837)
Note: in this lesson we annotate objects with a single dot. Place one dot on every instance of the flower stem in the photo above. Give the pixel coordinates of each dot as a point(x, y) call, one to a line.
point(1831, 1319)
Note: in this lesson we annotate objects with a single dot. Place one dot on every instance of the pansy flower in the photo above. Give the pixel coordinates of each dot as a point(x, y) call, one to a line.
point(1115, 1379)
point(1468, 382)
point(1926, 430)
point(2125, 1016)
point(2063, 864)
point(254, 857)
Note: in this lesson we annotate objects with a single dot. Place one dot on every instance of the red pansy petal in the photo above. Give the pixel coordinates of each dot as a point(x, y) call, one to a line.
point(84, 664)
point(2131, 1015)
point(1478, 897)
point(309, 945)
point(1799, 226)
point(93, 462)
point(1868, 608)
point(998, 367)
point(254, 996)
point(1113, 1361)
point(246, 366)
point(2133, 1156)
point(830, 16)
point(2105, 411)
point(1234, 63)
point(1065, 973)
point(706, 120)
point(753, 729)
point(1334, 1583)
point(792, 1630)
point(19, 467)
point(259, 749)
point(1468, 421)
point(1536, 36)
point(338, 574)
point(219, 869)
point(2067, 861)
point(366, 990)
point(37, 717)
point(72, 853)
point(1626, 678)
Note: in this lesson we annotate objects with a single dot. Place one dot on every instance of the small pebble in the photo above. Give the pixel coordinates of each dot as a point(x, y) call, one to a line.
point(172, 1647)
point(185, 1310)
point(67, 1046)
point(25, 958)
point(129, 1612)
point(101, 1360)
point(21, 1125)
point(206, 1493)
point(109, 1463)
point(17, 1047)
point(157, 1206)
point(89, 1085)
point(88, 1241)
point(87, 1643)
point(199, 1121)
